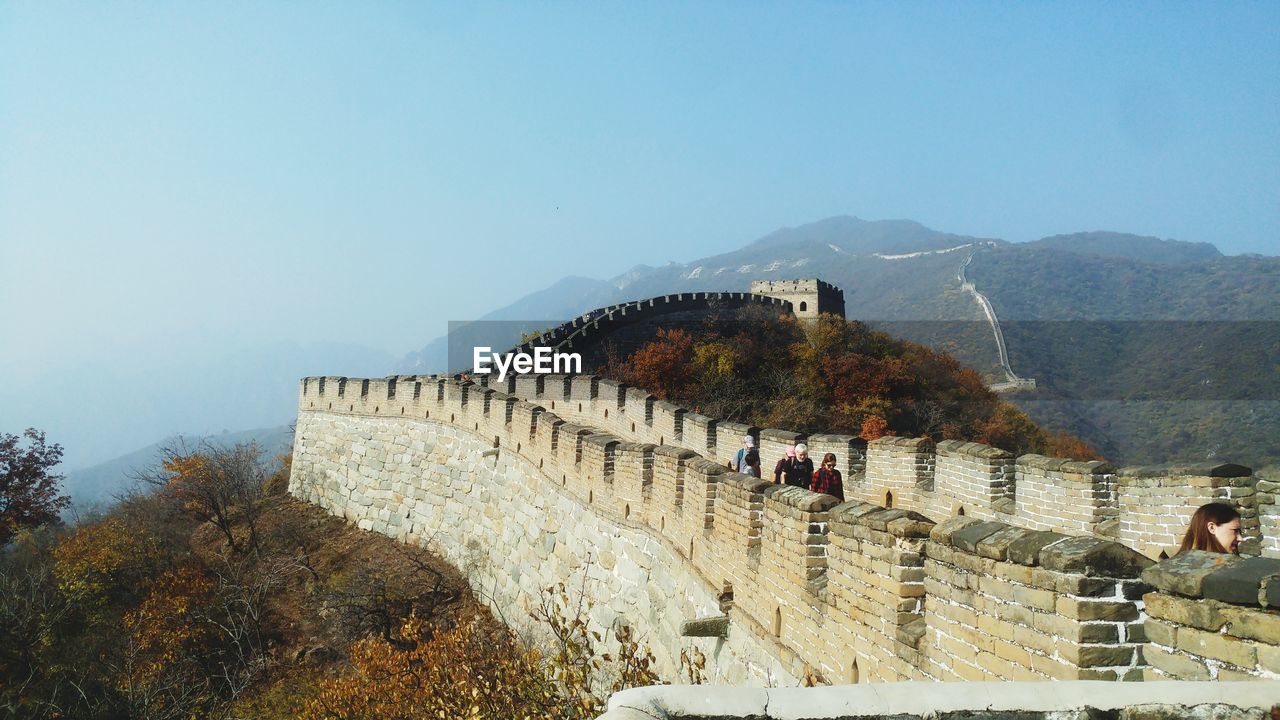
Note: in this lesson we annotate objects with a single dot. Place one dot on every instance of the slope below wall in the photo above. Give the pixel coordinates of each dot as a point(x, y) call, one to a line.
point(513, 530)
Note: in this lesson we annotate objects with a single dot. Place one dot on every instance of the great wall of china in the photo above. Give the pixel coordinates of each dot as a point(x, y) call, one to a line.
point(949, 561)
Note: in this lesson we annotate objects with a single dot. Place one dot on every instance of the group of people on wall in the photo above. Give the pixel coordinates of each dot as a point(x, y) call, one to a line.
point(1214, 527)
point(795, 468)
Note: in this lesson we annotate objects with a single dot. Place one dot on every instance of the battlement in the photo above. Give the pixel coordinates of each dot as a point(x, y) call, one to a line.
point(948, 561)
point(1144, 507)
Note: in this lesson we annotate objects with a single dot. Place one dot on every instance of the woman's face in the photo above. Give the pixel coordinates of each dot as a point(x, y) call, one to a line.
point(1227, 534)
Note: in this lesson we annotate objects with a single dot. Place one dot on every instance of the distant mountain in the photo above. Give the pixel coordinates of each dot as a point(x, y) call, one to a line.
point(894, 270)
point(1124, 388)
point(1132, 247)
point(862, 237)
point(98, 406)
point(100, 483)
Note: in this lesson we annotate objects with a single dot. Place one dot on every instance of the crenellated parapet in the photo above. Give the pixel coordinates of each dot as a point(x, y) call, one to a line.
point(1213, 617)
point(1146, 508)
point(948, 560)
point(585, 333)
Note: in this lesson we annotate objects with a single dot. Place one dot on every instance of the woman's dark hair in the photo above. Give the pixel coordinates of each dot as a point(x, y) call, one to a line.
point(828, 458)
point(753, 457)
point(1198, 536)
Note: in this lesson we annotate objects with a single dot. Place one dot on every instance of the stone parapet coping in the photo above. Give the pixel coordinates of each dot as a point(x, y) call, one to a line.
point(1082, 554)
point(1217, 576)
point(1214, 470)
point(1161, 700)
point(986, 452)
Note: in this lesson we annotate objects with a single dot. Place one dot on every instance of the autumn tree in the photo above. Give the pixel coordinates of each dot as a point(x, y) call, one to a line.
point(217, 485)
point(29, 492)
point(832, 375)
point(662, 367)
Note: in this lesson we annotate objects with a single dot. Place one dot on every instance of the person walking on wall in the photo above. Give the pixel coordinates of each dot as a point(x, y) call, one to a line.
point(1214, 527)
point(740, 460)
point(798, 470)
point(781, 466)
point(753, 463)
point(827, 478)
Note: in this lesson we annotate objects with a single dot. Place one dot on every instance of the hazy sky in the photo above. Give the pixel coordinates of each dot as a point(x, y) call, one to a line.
point(177, 177)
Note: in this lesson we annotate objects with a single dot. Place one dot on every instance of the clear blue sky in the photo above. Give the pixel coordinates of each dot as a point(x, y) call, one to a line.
point(178, 175)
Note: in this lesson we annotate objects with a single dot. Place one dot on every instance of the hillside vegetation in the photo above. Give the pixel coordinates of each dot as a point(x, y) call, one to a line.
point(218, 596)
point(1151, 363)
point(832, 376)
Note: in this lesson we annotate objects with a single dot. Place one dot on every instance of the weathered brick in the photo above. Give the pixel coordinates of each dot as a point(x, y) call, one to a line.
point(1203, 614)
point(1113, 610)
point(1160, 632)
point(1254, 624)
point(1178, 667)
point(1219, 647)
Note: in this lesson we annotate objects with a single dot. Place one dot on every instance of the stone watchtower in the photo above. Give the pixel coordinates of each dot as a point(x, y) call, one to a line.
point(809, 297)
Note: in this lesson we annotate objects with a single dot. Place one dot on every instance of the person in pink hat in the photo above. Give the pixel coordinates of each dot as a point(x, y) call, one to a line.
point(780, 469)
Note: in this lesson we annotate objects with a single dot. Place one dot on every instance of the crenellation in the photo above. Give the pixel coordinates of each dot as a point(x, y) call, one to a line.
point(973, 479)
point(528, 387)
point(729, 439)
point(848, 591)
point(773, 447)
point(699, 433)
point(639, 406)
point(1156, 503)
point(583, 388)
point(668, 422)
point(555, 388)
point(850, 452)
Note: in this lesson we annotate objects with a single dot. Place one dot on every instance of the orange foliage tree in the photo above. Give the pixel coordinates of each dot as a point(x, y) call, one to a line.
point(833, 375)
point(470, 668)
point(217, 485)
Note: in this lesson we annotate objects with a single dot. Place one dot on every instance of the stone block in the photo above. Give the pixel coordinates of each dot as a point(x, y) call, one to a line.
point(910, 526)
point(880, 520)
point(1095, 557)
point(943, 531)
point(1219, 647)
point(1173, 665)
point(1185, 572)
point(1026, 550)
point(996, 545)
point(1253, 624)
point(968, 537)
point(1240, 583)
point(1085, 610)
point(717, 626)
point(1160, 632)
point(1203, 614)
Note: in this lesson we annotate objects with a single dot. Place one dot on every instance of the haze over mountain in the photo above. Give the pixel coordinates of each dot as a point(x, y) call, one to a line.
point(98, 484)
point(1140, 392)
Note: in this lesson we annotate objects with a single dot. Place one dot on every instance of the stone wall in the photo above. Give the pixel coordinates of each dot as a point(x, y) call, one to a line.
point(1144, 507)
point(1213, 617)
point(524, 492)
point(514, 529)
point(1008, 603)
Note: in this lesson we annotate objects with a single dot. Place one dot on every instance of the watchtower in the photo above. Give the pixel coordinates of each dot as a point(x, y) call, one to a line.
point(809, 297)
